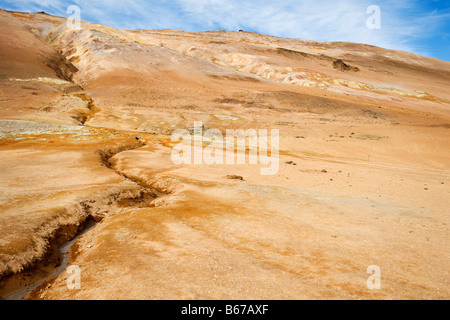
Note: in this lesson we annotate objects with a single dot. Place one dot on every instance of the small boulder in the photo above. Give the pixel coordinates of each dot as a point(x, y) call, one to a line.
point(235, 177)
point(342, 66)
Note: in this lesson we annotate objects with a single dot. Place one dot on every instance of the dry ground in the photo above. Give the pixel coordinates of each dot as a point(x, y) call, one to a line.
point(363, 173)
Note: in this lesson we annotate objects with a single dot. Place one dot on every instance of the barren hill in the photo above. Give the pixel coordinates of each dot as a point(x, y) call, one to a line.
point(86, 118)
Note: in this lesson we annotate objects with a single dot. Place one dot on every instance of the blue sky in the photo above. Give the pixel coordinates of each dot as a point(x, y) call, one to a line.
point(421, 27)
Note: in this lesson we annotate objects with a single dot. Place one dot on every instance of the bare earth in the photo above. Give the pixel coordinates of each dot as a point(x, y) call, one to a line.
point(86, 118)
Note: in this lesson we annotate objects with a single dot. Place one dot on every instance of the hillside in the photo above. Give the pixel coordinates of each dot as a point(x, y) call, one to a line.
point(86, 121)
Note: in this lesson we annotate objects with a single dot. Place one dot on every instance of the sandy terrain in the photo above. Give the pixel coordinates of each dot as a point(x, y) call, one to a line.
point(86, 118)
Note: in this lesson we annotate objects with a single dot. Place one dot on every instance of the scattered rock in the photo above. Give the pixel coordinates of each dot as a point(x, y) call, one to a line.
point(235, 177)
point(324, 171)
point(291, 162)
point(97, 217)
point(342, 66)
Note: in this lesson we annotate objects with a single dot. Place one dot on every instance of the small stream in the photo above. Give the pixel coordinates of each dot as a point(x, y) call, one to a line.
point(64, 252)
point(65, 249)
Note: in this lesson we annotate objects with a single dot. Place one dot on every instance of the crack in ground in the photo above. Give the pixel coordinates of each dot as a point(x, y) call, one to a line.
point(41, 272)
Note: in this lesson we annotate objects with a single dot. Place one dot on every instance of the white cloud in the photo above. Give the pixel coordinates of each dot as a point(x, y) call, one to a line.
point(403, 22)
point(324, 20)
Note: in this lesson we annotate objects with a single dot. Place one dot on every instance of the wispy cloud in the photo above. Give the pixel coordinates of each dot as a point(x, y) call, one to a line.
point(405, 24)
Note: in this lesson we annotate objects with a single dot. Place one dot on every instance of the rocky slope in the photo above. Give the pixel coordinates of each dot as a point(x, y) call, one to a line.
point(86, 118)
